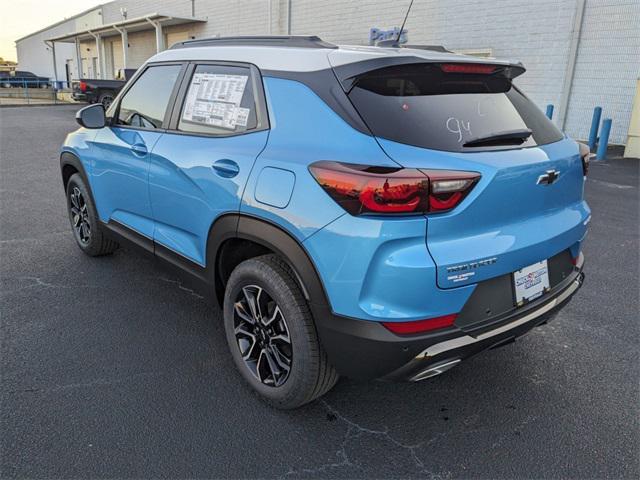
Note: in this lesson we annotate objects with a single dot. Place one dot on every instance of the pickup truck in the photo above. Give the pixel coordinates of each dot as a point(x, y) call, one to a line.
point(23, 79)
point(99, 90)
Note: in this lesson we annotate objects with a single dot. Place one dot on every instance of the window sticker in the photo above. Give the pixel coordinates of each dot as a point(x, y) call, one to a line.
point(214, 99)
point(242, 116)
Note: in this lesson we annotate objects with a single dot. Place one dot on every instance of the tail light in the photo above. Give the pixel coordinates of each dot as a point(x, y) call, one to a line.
point(585, 155)
point(476, 68)
point(361, 189)
point(83, 86)
point(420, 326)
point(507, 71)
point(367, 190)
point(448, 188)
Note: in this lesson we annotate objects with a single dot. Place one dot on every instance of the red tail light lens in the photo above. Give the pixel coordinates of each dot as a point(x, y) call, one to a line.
point(420, 326)
point(449, 188)
point(468, 68)
point(83, 87)
point(362, 189)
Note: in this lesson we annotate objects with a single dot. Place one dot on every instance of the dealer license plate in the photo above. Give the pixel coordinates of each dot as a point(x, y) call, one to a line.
point(531, 282)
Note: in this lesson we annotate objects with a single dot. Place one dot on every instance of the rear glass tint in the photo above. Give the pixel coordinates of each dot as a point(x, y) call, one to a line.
point(419, 104)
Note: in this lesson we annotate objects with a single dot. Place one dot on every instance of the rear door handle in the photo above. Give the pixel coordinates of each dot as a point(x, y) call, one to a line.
point(226, 168)
point(139, 149)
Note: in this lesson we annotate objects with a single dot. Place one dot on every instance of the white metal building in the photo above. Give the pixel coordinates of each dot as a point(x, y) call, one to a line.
point(578, 53)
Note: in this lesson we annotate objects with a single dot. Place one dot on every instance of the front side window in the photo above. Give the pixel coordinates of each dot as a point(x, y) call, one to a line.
point(220, 100)
point(145, 103)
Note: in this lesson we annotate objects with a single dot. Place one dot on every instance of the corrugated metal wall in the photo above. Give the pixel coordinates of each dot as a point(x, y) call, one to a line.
point(536, 32)
point(607, 67)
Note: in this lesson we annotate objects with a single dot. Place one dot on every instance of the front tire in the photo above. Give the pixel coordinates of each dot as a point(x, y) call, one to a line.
point(272, 336)
point(86, 227)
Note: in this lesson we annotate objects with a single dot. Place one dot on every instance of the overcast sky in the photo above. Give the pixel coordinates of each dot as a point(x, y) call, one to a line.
point(22, 17)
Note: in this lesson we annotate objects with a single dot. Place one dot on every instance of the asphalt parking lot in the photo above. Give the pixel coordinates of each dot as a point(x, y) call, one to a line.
point(111, 368)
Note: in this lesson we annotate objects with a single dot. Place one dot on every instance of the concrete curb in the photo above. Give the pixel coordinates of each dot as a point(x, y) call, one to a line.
point(39, 105)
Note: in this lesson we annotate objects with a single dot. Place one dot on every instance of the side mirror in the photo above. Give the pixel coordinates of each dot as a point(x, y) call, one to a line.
point(91, 116)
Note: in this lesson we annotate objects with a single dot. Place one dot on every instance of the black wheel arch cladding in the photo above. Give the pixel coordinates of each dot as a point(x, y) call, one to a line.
point(272, 238)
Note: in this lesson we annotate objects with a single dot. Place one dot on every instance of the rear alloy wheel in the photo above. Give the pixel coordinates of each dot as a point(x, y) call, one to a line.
point(84, 220)
point(272, 335)
point(106, 99)
point(263, 336)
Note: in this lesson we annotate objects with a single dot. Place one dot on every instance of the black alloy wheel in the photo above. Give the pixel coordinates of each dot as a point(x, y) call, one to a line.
point(106, 100)
point(85, 224)
point(262, 336)
point(271, 334)
point(80, 216)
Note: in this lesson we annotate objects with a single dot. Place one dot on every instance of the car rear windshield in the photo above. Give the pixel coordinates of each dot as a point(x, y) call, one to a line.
point(426, 106)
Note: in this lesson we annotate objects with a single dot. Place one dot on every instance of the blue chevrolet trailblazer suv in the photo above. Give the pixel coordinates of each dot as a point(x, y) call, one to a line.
point(362, 211)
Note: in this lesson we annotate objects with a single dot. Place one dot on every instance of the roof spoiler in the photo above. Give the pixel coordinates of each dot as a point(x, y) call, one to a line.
point(349, 73)
point(433, 48)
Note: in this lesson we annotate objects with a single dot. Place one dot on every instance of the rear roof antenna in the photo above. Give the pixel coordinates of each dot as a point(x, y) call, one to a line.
point(395, 43)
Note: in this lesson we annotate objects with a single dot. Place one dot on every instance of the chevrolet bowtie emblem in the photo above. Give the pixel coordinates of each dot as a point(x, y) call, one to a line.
point(548, 177)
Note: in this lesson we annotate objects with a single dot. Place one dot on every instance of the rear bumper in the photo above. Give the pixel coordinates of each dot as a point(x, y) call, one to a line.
point(367, 350)
point(79, 97)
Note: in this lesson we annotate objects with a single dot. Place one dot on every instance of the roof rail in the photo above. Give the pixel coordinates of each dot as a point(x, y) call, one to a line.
point(295, 41)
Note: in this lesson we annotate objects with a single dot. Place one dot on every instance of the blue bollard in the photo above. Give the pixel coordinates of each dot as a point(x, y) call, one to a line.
point(549, 111)
point(595, 123)
point(604, 140)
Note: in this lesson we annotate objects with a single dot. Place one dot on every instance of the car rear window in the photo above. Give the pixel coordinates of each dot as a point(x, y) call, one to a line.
point(422, 105)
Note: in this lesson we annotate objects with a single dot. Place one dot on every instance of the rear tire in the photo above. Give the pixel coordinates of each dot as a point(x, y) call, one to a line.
point(106, 99)
point(274, 344)
point(85, 224)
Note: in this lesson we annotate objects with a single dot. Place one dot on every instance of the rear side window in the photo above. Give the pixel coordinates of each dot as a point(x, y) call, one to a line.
point(220, 100)
point(145, 103)
point(422, 105)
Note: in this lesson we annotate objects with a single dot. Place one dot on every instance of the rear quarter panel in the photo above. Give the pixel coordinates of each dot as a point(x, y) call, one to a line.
point(371, 269)
point(303, 130)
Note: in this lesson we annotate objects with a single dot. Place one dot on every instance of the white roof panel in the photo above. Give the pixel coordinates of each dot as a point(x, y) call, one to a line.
point(265, 58)
point(285, 58)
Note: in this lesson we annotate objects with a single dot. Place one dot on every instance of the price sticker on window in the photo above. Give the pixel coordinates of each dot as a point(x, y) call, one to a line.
point(214, 99)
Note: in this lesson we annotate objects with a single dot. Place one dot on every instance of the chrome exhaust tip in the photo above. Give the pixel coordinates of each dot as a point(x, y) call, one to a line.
point(434, 370)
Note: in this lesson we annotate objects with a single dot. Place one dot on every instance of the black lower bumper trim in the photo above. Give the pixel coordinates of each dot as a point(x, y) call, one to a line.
point(366, 350)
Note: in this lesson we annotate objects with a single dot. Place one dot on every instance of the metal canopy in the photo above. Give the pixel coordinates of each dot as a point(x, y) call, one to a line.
point(132, 25)
point(152, 21)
